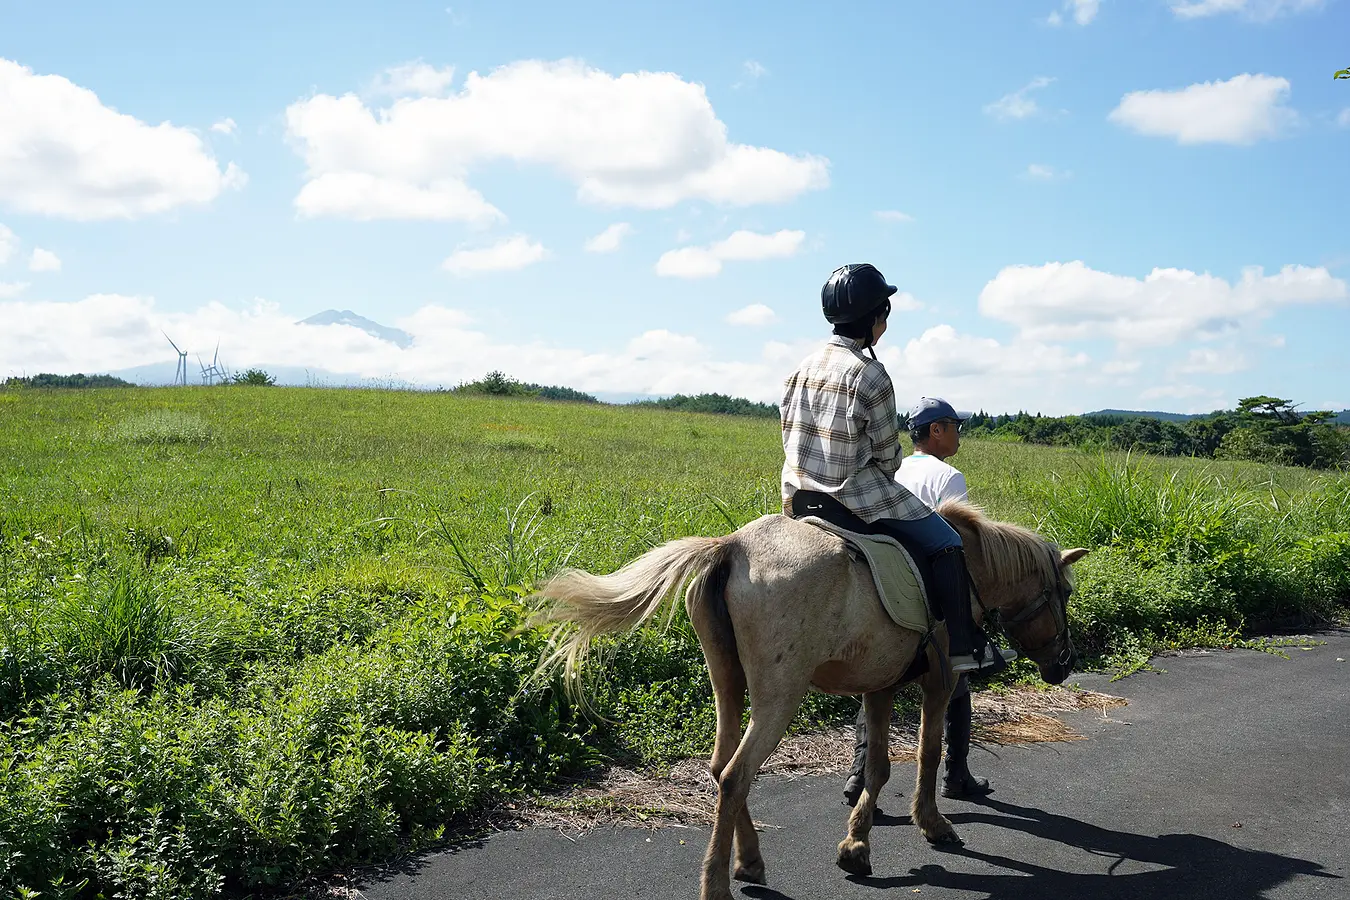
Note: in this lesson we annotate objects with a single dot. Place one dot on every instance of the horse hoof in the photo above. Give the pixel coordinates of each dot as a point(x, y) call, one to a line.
point(752, 873)
point(947, 838)
point(855, 857)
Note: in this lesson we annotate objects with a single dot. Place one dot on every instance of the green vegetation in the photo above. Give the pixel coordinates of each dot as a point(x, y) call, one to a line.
point(1261, 429)
point(252, 378)
point(498, 384)
point(48, 380)
point(714, 403)
point(247, 637)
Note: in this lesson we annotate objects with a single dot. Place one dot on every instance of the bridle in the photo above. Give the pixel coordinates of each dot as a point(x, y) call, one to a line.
point(1055, 598)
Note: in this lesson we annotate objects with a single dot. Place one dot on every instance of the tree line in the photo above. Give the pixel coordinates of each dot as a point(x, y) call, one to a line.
point(1260, 429)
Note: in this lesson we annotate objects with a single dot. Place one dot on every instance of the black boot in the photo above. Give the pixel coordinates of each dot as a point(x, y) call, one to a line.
point(970, 649)
point(853, 787)
point(957, 782)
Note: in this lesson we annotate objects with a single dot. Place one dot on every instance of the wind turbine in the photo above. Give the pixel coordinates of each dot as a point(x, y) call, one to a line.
point(180, 373)
point(212, 372)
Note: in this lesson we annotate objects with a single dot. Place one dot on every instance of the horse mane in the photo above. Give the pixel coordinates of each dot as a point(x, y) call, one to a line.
point(1009, 550)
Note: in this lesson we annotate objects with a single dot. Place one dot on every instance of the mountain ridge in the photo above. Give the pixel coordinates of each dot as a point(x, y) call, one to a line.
point(396, 336)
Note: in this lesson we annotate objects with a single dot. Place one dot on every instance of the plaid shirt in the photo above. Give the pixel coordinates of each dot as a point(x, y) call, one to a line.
point(841, 436)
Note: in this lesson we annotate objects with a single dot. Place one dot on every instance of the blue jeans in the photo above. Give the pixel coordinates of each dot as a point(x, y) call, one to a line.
point(931, 533)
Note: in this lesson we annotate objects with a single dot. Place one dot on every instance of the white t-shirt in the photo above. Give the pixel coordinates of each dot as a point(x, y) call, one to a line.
point(930, 479)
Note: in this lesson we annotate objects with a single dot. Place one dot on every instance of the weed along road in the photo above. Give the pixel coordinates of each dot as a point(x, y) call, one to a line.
point(1227, 775)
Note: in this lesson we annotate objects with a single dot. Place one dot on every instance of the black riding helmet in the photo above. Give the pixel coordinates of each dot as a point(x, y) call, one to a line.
point(853, 292)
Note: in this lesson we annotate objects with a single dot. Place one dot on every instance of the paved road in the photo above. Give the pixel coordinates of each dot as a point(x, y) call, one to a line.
point(1226, 776)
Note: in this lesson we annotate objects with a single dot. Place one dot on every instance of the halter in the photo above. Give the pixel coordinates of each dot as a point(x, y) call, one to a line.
point(1056, 597)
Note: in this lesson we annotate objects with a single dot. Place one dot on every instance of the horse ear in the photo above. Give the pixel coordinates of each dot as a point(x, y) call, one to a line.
point(1069, 557)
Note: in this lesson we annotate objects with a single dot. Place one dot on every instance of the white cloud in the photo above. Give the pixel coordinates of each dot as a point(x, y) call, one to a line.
point(1121, 366)
point(688, 262)
point(1209, 361)
point(704, 262)
point(751, 245)
point(753, 70)
point(9, 242)
point(413, 79)
point(609, 240)
point(1241, 110)
point(1041, 172)
point(892, 215)
point(1253, 10)
point(12, 289)
point(942, 352)
point(515, 252)
point(647, 139)
point(904, 301)
point(1083, 12)
point(1018, 105)
point(755, 315)
point(225, 126)
point(44, 261)
point(69, 156)
point(363, 197)
point(973, 372)
point(1343, 119)
point(1069, 301)
point(661, 344)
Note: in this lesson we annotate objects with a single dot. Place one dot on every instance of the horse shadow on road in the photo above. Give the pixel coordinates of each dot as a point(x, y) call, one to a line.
point(1194, 867)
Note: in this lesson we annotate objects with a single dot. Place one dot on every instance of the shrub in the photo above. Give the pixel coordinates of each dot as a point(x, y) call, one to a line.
point(252, 378)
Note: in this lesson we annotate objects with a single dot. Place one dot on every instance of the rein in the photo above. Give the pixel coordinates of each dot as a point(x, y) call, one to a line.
point(1051, 595)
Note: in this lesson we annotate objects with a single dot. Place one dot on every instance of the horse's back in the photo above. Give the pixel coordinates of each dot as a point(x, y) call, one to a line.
point(796, 598)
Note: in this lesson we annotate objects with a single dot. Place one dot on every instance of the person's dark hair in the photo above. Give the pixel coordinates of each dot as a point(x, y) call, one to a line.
point(861, 330)
point(921, 433)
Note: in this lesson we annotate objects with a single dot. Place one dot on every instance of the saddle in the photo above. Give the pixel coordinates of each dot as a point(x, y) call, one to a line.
point(901, 571)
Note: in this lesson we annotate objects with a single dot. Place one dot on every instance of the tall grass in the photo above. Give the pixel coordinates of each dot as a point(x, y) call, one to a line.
point(1186, 549)
point(162, 426)
point(250, 636)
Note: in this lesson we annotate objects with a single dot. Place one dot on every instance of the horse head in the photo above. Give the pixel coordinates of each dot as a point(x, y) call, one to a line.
point(1027, 579)
point(1039, 628)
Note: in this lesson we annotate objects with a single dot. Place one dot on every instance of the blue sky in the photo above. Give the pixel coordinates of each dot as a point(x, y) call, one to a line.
point(1086, 204)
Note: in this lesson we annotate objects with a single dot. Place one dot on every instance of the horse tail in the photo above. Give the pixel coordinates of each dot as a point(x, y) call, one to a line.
point(604, 604)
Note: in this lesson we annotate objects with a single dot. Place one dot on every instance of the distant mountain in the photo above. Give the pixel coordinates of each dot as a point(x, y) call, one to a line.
point(1342, 417)
point(621, 398)
point(375, 329)
point(1147, 414)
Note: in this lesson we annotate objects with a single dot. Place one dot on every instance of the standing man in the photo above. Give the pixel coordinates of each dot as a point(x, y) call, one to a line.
point(935, 429)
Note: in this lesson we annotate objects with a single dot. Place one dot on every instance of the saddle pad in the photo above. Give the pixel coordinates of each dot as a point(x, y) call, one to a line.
point(893, 571)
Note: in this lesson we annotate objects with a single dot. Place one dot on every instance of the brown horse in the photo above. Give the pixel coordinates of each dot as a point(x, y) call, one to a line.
point(780, 607)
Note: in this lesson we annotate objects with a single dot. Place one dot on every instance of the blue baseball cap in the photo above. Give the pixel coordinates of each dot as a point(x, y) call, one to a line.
point(931, 409)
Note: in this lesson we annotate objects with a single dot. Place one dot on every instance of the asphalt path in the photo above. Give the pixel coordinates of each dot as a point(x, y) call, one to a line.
point(1227, 775)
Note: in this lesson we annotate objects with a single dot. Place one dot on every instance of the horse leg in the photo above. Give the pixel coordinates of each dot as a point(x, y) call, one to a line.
point(855, 855)
point(728, 680)
point(937, 690)
point(769, 720)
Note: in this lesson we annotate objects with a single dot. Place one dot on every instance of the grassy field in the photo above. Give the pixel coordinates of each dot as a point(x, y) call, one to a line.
point(248, 635)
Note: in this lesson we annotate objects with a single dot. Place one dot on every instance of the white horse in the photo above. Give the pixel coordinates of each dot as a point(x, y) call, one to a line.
point(780, 607)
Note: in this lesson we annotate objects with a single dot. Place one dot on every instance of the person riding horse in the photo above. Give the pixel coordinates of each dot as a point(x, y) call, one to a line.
point(935, 428)
point(841, 439)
